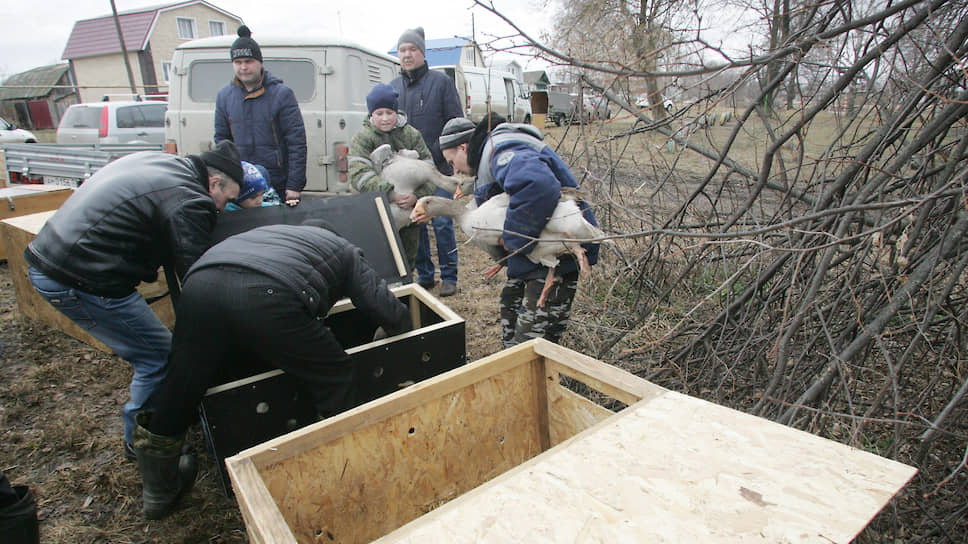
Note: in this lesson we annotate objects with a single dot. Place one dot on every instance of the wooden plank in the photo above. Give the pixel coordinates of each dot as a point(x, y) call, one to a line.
point(16, 201)
point(603, 378)
point(258, 504)
point(16, 233)
point(366, 483)
point(675, 469)
point(570, 413)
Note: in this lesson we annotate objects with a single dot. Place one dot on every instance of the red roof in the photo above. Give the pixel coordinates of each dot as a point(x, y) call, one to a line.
point(99, 36)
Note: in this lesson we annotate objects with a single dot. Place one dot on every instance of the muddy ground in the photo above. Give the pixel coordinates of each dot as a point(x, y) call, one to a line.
point(60, 427)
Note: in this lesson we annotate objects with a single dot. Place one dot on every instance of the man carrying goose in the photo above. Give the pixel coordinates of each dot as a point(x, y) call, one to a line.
point(512, 161)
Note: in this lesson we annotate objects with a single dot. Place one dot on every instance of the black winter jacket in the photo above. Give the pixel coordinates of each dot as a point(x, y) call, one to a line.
point(134, 215)
point(318, 265)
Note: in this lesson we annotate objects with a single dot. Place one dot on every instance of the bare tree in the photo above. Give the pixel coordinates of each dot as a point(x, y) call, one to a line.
point(806, 263)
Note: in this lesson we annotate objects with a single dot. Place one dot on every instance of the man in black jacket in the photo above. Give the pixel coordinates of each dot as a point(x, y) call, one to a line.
point(264, 292)
point(134, 215)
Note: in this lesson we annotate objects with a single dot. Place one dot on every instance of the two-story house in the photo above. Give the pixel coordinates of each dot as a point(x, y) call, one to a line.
point(151, 35)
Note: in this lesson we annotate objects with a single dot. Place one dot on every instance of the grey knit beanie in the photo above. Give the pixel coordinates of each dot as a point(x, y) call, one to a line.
point(414, 36)
point(457, 131)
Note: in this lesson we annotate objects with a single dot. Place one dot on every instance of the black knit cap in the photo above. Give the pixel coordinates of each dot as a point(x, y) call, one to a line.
point(414, 36)
point(245, 47)
point(225, 157)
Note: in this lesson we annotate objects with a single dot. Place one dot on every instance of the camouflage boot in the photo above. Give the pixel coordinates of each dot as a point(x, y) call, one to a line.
point(166, 472)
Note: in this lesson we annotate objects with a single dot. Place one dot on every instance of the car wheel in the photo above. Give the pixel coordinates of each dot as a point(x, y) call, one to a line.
point(527, 119)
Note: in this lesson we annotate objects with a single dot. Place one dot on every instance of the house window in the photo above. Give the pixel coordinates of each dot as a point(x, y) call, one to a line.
point(166, 71)
point(216, 28)
point(186, 28)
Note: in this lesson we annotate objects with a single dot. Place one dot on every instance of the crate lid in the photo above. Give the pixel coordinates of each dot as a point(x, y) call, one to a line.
point(363, 219)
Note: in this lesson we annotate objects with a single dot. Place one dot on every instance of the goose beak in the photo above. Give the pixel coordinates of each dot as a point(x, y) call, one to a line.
point(418, 213)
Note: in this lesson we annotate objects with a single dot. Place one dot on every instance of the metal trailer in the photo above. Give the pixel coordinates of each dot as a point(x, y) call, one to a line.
point(64, 164)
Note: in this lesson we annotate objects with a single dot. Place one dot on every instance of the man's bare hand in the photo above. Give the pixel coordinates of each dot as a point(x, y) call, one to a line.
point(292, 197)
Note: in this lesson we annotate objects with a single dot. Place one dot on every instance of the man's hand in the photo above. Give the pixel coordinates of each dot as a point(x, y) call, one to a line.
point(292, 197)
point(404, 200)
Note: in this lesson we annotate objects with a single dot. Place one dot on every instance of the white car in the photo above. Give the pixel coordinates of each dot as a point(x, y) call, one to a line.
point(125, 122)
point(10, 134)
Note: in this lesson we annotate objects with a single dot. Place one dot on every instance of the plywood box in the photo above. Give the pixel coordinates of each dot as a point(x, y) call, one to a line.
point(500, 451)
point(19, 200)
point(16, 233)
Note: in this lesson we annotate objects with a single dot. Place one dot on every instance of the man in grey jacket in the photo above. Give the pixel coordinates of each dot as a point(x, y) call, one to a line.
point(134, 215)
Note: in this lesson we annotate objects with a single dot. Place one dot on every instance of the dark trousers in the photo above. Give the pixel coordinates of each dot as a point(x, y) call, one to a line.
point(226, 311)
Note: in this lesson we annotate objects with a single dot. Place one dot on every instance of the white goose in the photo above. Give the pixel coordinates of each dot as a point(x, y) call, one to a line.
point(484, 226)
point(406, 172)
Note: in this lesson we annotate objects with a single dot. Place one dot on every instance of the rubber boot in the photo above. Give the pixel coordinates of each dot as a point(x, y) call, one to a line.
point(18, 520)
point(167, 471)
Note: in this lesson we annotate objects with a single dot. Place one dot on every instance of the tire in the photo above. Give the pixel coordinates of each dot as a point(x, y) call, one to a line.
point(558, 119)
point(527, 119)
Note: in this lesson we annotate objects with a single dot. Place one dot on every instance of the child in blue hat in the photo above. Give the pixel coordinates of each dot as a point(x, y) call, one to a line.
point(256, 190)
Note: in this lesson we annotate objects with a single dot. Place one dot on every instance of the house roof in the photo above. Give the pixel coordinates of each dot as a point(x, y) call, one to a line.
point(34, 83)
point(443, 51)
point(99, 36)
point(538, 78)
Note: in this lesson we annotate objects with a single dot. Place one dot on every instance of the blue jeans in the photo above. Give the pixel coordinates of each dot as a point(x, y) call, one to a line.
point(126, 325)
point(446, 249)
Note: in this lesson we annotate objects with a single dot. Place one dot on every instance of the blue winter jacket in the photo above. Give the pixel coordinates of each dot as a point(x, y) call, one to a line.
point(515, 161)
point(429, 99)
point(267, 127)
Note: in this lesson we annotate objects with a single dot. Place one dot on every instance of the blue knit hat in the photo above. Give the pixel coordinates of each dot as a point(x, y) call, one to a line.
point(382, 96)
point(255, 181)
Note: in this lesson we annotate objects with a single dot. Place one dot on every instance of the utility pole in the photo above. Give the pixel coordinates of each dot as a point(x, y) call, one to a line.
point(124, 50)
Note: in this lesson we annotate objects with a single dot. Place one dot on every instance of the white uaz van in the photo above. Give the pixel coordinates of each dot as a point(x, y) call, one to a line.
point(483, 89)
point(330, 78)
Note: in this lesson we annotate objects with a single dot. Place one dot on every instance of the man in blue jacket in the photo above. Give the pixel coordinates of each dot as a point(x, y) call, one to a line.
point(512, 158)
point(262, 117)
point(429, 99)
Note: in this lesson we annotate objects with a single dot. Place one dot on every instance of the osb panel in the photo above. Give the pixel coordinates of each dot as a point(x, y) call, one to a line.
point(28, 199)
point(569, 413)
point(16, 233)
point(373, 480)
point(674, 469)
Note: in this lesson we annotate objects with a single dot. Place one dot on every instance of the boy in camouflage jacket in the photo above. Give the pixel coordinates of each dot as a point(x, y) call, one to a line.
point(387, 126)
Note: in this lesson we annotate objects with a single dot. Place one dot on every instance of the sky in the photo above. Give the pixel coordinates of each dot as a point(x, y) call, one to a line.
point(34, 34)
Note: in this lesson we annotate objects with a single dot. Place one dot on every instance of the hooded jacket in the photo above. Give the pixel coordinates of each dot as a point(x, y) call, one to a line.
point(429, 99)
point(134, 215)
point(320, 266)
point(513, 159)
point(267, 127)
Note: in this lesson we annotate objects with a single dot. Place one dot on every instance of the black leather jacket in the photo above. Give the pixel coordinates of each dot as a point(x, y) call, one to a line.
point(134, 215)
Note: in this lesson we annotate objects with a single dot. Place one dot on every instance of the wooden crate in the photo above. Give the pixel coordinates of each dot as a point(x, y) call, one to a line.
point(500, 451)
point(16, 233)
point(18, 200)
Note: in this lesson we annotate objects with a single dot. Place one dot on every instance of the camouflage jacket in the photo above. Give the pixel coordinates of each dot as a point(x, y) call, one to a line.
point(363, 177)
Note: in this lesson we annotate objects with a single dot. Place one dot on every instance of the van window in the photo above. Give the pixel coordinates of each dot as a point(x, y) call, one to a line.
point(82, 117)
point(148, 115)
point(207, 77)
